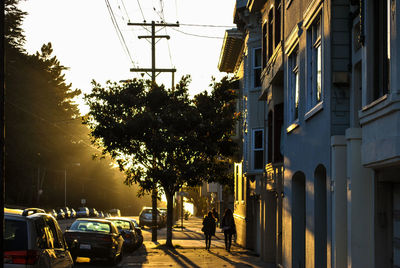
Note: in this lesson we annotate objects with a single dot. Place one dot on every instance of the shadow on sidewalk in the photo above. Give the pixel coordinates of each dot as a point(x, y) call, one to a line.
point(179, 258)
point(234, 263)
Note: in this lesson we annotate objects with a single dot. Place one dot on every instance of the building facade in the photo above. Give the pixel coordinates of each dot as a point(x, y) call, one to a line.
point(320, 101)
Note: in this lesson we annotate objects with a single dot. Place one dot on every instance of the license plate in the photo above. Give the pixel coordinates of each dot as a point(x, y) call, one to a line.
point(85, 246)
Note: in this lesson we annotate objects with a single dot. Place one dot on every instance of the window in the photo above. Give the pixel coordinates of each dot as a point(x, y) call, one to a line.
point(314, 63)
point(293, 85)
point(264, 45)
point(278, 10)
point(271, 36)
point(381, 48)
point(257, 67)
point(258, 149)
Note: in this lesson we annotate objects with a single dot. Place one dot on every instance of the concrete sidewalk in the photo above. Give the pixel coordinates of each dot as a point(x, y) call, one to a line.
point(190, 251)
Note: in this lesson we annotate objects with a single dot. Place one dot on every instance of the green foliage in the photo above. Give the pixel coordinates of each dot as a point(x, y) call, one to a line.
point(160, 137)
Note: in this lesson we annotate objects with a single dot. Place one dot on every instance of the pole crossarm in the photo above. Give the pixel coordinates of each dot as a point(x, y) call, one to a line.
point(153, 23)
point(156, 36)
point(145, 70)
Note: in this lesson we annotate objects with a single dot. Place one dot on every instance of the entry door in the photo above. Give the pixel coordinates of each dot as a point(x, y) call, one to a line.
point(396, 225)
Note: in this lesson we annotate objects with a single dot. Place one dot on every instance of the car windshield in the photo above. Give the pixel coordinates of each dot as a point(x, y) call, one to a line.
point(124, 225)
point(91, 226)
point(15, 235)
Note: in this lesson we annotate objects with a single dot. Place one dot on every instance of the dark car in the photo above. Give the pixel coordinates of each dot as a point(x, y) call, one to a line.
point(67, 212)
point(33, 238)
point(97, 239)
point(138, 231)
point(146, 217)
point(132, 238)
point(73, 213)
point(82, 212)
point(93, 213)
point(60, 214)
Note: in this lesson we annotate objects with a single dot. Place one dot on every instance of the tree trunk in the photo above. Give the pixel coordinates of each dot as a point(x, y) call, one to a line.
point(154, 215)
point(170, 207)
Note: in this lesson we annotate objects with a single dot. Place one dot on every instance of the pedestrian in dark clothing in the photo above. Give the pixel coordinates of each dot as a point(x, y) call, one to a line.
point(215, 215)
point(229, 228)
point(208, 228)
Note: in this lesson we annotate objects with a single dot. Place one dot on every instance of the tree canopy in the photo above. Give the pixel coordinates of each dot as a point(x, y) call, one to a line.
point(44, 131)
point(161, 137)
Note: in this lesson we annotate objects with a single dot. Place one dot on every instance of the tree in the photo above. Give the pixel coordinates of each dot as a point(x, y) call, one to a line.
point(160, 137)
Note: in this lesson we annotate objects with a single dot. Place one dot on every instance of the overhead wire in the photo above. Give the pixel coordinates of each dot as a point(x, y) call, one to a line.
point(197, 35)
point(165, 28)
point(118, 30)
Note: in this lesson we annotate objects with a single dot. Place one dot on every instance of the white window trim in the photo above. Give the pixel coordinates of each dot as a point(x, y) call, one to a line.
point(291, 79)
point(253, 68)
point(311, 47)
point(253, 149)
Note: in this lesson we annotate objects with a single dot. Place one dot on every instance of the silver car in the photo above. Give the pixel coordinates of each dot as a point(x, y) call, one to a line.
point(33, 238)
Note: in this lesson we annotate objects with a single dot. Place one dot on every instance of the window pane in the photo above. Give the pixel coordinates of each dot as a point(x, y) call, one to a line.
point(15, 235)
point(257, 57)
point(319, 72)
point(258, 159)
point(258, 139)
point(297, 94)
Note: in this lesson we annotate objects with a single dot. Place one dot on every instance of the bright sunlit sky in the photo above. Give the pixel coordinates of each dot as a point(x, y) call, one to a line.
point(85, 40)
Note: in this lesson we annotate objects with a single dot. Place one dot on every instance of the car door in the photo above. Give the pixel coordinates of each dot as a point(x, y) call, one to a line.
point(60, 256)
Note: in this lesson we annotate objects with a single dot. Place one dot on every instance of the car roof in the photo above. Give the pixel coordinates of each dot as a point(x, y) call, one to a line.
point(118, 218)
point(93, 219)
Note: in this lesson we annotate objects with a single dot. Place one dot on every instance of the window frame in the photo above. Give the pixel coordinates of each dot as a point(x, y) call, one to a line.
point(293, 85)
point(315, 54)
point(255, 68)
point(260, 149)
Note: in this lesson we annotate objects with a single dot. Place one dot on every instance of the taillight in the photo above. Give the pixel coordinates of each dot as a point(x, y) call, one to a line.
point(105, 238)
point(127, 235)
point(21, 257)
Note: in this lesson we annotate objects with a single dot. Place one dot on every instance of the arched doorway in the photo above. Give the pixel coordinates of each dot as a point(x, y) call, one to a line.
point(320, 217)
point(299, 220)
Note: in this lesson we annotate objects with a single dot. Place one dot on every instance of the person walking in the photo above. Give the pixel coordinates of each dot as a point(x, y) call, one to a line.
point(208, 228)
point(216, 217)
point(229, 228)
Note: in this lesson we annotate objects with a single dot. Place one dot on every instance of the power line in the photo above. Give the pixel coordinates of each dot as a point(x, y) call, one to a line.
point(140, 7)
point(118, 30)
point(207, 25)
point(162, 16)
point(198, 35)
point(126, 12)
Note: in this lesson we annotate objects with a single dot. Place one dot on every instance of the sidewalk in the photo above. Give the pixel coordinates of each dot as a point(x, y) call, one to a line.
point(190, 251)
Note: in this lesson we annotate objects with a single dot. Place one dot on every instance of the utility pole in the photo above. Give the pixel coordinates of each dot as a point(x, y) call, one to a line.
point(153, 71)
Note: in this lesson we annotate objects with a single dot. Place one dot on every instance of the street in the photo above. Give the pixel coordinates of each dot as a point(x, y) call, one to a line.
point(189, 250)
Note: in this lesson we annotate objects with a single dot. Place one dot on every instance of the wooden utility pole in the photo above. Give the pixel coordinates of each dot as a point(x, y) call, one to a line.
point(153, 71)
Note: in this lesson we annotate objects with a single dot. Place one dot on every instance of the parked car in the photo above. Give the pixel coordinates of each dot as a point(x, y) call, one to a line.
point(146, 217)
point(97, 239)
point(82, 212)
point(67, 212)
point(101, 214)
point(138, 231)
point(60, 214)
point(132, 238)
point(93, 212)
point(115, 212)
point(73, 213)
point(53, 213)
point(33, 238)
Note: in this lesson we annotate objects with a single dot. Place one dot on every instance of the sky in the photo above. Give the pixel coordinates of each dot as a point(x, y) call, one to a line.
point(85, 39)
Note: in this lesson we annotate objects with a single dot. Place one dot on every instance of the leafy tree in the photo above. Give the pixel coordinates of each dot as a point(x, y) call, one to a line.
point(160, 137)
